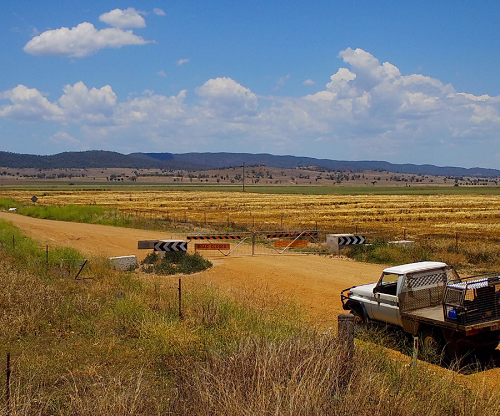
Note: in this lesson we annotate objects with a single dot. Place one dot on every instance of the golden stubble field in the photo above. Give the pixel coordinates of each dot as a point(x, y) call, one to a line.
point(471, 217)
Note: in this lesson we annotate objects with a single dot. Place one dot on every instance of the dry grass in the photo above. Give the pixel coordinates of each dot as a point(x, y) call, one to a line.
point(116, 345)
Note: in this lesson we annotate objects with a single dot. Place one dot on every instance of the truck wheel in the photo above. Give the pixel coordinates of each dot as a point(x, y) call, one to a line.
point(431, 345)
point(359, 322)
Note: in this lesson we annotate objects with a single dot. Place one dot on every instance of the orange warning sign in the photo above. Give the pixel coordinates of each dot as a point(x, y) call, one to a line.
point(212, 246)
point(285, 243)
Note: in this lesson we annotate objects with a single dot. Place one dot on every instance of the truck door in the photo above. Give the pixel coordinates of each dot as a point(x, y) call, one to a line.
point(386, 307)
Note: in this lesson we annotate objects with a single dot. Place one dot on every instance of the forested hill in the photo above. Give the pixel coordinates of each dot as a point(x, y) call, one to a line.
point(223, 160)
point(204, 161)
point(89, 159)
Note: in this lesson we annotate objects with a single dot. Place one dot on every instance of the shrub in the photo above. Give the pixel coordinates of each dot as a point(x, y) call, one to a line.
point(174, 263)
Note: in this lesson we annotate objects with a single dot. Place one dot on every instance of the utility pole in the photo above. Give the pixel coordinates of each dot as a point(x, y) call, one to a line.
point(243, 176)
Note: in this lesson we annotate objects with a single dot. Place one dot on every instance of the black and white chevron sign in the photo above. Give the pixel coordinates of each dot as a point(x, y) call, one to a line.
point(171, 245)
point(351, 239)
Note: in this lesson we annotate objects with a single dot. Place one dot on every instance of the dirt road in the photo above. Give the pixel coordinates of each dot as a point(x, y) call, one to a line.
point(314, 282)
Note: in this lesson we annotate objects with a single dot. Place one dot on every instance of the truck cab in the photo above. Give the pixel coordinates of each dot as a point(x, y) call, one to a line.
point(381, 301)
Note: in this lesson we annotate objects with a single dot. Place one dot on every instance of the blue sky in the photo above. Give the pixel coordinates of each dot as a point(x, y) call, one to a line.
point(401, 81)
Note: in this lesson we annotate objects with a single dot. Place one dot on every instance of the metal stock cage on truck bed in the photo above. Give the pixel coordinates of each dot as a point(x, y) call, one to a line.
point(472, 300)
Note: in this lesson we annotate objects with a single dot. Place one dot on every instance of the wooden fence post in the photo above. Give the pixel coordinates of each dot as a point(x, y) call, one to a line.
point(346, 334)
point(7, 387)
point(180, 301)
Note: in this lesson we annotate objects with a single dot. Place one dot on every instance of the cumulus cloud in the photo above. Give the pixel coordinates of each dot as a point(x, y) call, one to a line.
point(28, 104)
point(366, 109)
point(309, 82)
point(181, 62)
point(161, 73)
point(227, 98)
point(159, 12)
point(80, 41)
point(94, 105)
point(124, 18)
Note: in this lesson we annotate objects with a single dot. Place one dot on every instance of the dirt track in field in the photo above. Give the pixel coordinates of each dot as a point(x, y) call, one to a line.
point(314, 282)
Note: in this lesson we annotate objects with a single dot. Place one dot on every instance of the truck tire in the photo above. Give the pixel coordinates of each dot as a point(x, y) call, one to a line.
point(431, 345)
point(359, 322)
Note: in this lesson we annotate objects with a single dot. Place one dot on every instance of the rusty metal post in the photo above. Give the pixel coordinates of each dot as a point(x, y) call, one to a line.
point(346, 334)
point(456, 242)
point(404, 233)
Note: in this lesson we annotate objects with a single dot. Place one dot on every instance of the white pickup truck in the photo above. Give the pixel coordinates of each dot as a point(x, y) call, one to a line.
point(429, 299)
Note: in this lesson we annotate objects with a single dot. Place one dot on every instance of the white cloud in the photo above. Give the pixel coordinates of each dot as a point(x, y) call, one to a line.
point(80, 41)
point(227, 98)
point(94, 105)
point(159, 12)
point(28, 104)
point(367, 109)
point(161, 73)
point(309, 82)
point(181, 62)
point(124, 18)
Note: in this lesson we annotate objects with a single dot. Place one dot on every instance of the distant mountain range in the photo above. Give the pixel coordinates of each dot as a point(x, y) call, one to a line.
point(205, 161)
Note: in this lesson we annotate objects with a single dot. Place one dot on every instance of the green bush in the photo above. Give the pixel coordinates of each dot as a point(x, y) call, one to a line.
point(174, 263)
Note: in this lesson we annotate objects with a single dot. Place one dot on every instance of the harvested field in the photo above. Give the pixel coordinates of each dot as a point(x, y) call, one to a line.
point(393, 216)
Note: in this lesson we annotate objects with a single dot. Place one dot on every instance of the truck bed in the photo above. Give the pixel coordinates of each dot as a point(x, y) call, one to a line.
point(433, 313)
point(435, 316)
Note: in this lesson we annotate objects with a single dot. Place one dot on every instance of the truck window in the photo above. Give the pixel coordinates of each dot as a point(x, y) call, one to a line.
point(388, 278)
point(387, 284)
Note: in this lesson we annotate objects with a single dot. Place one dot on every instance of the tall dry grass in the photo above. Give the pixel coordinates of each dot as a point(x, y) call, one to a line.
point(115, 344)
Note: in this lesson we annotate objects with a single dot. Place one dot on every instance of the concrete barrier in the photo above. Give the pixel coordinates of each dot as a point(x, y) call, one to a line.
point(403, 243)
point(335, 242)
point(123, 262)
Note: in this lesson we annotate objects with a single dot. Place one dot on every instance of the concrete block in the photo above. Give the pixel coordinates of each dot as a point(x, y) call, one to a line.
point(123, 262)
point(146, 244)
point(403, 243)
point(334, 242)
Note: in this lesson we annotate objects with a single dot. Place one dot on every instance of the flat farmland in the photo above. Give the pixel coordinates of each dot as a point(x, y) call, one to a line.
point(474, 217)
